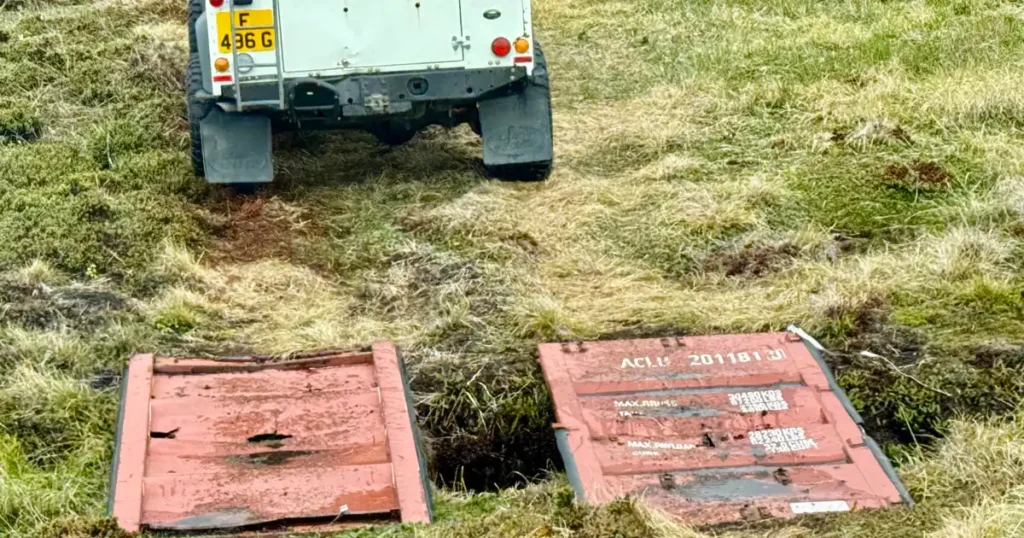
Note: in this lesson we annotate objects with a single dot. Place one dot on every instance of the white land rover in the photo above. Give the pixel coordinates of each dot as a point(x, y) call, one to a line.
point(391, 67)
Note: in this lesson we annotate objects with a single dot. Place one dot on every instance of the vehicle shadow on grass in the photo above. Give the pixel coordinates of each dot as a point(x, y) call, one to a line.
point(346, 186)
point(343, 158)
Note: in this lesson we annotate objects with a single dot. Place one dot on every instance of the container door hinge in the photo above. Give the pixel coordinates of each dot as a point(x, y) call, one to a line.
point(460, 42)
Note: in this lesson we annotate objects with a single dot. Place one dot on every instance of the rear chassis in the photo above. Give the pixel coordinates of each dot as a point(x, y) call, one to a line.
point(414, 99)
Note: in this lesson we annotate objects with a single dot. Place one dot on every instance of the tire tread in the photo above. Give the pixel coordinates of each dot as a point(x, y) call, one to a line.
point(196, 110)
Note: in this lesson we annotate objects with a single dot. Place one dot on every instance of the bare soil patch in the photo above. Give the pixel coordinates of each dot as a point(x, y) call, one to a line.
point(254, 228)
point(757, 260)
point(38, 306)
point(918, 174)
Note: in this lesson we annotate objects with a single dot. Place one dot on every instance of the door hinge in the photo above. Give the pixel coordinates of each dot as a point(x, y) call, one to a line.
point(460, 42)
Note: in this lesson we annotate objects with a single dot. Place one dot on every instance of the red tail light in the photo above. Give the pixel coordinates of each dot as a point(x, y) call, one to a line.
point(216, 3)
point(501, 47)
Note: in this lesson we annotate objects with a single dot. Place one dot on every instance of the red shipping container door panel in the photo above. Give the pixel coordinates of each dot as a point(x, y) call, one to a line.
point(714, 429)
point(321, 441)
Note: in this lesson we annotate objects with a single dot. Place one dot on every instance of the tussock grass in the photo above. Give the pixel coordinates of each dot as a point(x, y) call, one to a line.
point(53, 447)
point(853, 167)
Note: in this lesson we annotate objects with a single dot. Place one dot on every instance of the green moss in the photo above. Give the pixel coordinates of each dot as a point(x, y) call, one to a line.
point(81, 228)
point(103, 208)
point(619, 519)
point(39, 164)
point(18, 5)
point(972, 313)
point(179, 319)
point(78, 527)
point(912, 402)
point(475, 506)
point(52, 416)
point(19, 122)
point(847, 192)
point(492, 421)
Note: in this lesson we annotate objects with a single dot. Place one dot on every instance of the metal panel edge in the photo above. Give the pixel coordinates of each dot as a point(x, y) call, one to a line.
point(890, 471)
point(417, 435)
point(397, 420)
point(572, 472)
point(112, 484)
point(569, 414)
point(815, 349)
point(131, 465)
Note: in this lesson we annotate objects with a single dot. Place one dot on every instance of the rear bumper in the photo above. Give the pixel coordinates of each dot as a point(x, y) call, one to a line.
point(368, 96)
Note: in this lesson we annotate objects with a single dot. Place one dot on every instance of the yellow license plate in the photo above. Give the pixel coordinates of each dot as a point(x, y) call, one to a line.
point(246, 40)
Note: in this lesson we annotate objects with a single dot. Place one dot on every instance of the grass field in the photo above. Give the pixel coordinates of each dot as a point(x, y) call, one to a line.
point(855, 167)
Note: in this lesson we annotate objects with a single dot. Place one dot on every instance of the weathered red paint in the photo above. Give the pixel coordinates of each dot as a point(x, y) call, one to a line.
point(711, 429)
point(131, 462)
point(221, 444)
point(401, 442)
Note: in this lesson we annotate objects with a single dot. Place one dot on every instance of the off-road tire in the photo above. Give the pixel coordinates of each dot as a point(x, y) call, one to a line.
point(196, 110)
point(538, 171)
point(195, 10)
point(391, 133)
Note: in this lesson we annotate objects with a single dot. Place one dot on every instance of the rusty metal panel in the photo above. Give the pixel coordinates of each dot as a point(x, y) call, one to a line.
point(312, 443)
point(713, 429)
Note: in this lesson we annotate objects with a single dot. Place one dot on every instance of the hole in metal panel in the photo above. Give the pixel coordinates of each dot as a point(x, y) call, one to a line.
point(782, 476)
point(273, 457)
point(418, 86)
point(268, 437)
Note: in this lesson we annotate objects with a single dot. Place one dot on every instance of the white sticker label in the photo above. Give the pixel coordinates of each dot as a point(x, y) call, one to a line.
point(781, 440)
point(653, 448)
point(758, 401)
point(819, 507)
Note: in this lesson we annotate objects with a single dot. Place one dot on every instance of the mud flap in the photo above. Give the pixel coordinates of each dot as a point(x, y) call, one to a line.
point(237, 148)
point(517, 128)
